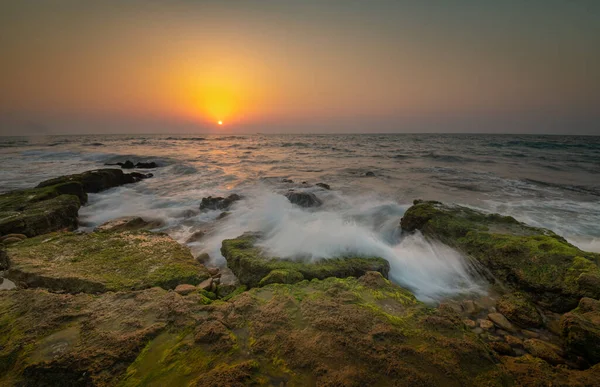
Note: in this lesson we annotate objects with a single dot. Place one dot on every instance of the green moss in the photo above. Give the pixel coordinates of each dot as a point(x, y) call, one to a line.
point(518, 309)
point(103, 261)
point(251, 265)
point(532, 259)
point(281, 276)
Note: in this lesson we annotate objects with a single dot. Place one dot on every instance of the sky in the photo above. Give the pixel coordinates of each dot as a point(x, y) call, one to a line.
point(305, 66)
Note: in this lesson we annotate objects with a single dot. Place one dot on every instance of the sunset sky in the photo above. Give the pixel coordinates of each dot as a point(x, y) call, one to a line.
point(299, 66)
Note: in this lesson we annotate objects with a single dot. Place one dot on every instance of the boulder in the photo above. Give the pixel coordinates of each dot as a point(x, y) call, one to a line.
point(15, 236)
point(185, 289)
point(501, 322)
point(303, 199)
point(196, 236)
point(218, 203)
point(323, 185)
point(544, 350)
point(251, 265)
point(206, 284)
point(38, 211)
point(127, 165)
point(102, 261)
point(581, 330)
point(552, 271)
point(518, 309)
point(370, 174)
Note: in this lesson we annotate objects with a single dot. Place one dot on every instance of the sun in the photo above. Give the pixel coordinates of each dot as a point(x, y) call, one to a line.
point(220, 122)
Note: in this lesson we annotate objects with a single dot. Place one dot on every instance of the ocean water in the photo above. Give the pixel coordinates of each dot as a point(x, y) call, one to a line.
point(547, 181)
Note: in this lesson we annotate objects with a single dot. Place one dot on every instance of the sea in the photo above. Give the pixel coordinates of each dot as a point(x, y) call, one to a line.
point(545, 181)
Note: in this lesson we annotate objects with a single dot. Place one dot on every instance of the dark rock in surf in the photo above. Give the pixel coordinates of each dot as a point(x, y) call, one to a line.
point(54, 204)
point(218, 203)
point(127, 165)
point(287, 181)
point(370, 174)
point(150, 165)
point(303, 199)
point(128, 223)
point(323, 185)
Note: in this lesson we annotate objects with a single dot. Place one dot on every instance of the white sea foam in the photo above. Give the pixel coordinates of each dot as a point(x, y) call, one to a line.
point(430, 269)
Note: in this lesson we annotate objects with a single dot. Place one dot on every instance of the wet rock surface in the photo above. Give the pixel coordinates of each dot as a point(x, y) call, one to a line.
point(303, 199)
point(218, 203)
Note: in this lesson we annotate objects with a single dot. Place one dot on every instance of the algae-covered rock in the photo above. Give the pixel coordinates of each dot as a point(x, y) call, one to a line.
point(128, 223)
point(518, 309)
point(581, 330)
point(219, 203)
point(97, 180)
point(250, 264)
point(303, 199)
point(282, 276)
point(537, 261)
point(332, 332)
point(49, 339)
point(53, 205)
point(38, 211)
point(102, 261)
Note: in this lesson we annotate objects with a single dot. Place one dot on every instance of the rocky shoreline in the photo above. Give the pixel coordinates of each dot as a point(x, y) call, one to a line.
point(126, 306)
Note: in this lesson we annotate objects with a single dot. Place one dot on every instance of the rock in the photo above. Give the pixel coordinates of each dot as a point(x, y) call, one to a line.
point(97, 180)
point(127, 165)
point(102, 261)
point(251, 265)
point(11, 240)
point(222, 215)
point(486, 324)
point(149, 165)
point(203, 258)
point(228, 283)
point(455, 306)
point(502, 348)
point(213, 271)
point(513, 341)
point(17, 236)
point(286, 181)
point(218, 203)
point(469, 307)
point(518, 309)
point(281, 276)
point(581, 330)
point(530, 334)
point(303, 199)
point(370, 174)
point(196, 236)
point(530, 259)
point(470, 323)
point(128, 223)
point(501, 322)
point(38, 211)
point(544, 350)
point(323, 185)
point(185, 289)
point(206, 284)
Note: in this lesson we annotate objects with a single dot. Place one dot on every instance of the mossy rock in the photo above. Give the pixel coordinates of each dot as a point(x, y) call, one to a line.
point(534, 260)
point(103, 261)
point(336, 331)
point(581, 330)
point(518, 309)
point(97, 180)
point(251, 265)
point(281, 276)
point(38, 211)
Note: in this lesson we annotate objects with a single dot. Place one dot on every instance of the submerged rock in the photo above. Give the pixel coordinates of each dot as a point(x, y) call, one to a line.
point(251, 265)
point(103, 261)
point(555, 273)
point(149, 165)
point(323, 185)
point(303, 199)
point(218, 203)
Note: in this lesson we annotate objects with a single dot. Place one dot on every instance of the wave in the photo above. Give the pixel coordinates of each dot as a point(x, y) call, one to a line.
point(448, 158)
point(591, 190)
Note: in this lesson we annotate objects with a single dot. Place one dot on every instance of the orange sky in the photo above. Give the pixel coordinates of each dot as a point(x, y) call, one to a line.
point(254, 64)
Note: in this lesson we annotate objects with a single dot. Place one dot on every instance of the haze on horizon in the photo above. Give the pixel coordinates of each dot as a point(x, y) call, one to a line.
point(310, 66)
